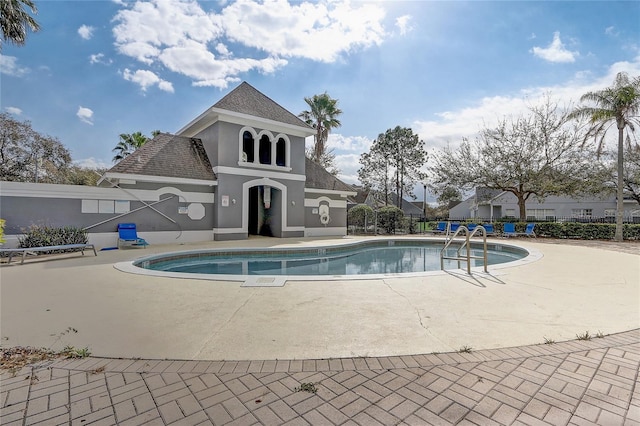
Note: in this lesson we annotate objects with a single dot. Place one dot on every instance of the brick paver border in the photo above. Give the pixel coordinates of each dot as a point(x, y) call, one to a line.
point(568, 383)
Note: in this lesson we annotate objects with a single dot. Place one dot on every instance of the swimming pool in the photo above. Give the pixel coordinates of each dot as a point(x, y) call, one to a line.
point(362, 259)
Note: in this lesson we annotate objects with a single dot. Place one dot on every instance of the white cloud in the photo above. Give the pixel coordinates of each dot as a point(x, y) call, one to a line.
point(450, 127)
point(317, 31)
point(348, 164)
point(165, 86)
point(86, 32)
point(179, 34)
point(555, 52)
point(341, 143)
point(9, 65)
point(147, 79)
point(93, 163)
point(85, 115)
point(611, 31)
point(98, 58)
point(347, 151)
point(13, 110)
point(403, 24)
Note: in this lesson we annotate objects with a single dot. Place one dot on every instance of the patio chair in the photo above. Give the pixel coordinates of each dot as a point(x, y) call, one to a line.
point(509, 230)
point(128, 236)
point(454, 227)
point(529, 230)
point(489, 229)
point(441, 228)
point(471, 227)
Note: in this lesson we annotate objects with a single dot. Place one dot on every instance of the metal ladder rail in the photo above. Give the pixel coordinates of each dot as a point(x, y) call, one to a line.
point(448, 236)
point(448, 242)
point(466, 244)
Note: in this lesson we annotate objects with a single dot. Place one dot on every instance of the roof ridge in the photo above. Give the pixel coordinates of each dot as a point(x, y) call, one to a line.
point(246, 99)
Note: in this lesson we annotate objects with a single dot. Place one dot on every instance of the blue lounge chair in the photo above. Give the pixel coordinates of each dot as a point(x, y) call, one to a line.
point(489, 229)
point(529, 230)
point(127, 235)
point(509, 230)
point(471, 227)
point(455, 226)
point(441, 228)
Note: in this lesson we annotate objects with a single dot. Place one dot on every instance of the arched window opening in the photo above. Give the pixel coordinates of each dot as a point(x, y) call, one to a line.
point(265, 150)
point(281, 152)
point(247, 147)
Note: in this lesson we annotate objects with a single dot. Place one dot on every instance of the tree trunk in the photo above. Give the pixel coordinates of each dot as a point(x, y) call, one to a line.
point(317, 150)
point(397, 187)
point(523, 208)
point(620, 201)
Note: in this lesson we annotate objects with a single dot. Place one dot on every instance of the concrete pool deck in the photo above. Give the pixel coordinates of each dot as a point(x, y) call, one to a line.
point(370, 345)
point(570, 290)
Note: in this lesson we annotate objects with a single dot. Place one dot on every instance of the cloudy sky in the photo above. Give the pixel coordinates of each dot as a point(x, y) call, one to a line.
point(443, 68)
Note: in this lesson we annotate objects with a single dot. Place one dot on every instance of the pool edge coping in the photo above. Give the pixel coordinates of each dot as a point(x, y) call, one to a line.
point(280, 280)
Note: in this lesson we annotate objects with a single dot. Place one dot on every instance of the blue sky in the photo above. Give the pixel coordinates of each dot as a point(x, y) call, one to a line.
point(443, 68)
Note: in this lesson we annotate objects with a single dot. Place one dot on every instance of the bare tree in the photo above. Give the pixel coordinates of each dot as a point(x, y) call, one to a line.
point(607, 170)
point(535, 155)
point(28, 156)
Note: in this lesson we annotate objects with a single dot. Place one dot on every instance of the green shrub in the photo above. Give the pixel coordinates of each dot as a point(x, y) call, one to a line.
point(2, 221)
point(631, 231)
point(410, 225)
point(574, 230)
point(390, 218)
point(43, 236)
point(360, 215)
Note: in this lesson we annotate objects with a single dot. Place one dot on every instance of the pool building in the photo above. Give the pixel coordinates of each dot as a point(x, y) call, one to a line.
point(238, 169)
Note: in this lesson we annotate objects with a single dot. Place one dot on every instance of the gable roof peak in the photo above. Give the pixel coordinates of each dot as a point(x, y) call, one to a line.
point(246, 99)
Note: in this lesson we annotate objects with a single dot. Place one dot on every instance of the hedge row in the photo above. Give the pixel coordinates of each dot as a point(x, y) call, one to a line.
point(43, 236)
point(582, 231)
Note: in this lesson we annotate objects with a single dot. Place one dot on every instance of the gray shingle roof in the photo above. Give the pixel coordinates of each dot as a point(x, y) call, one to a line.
point(246, 99)
point(169, 156)
point(319, 178)
point(407, 206)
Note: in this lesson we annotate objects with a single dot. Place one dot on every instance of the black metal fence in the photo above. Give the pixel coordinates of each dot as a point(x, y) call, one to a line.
point(560, 219)
point(373, 223)
point(376, 224)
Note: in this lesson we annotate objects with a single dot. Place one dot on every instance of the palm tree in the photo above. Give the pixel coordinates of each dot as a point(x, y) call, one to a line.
point(618, 104)
point(14, 20)
point(322, 116)
point(127, 144)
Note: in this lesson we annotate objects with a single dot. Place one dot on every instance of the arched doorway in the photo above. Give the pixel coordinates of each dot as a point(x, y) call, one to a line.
point(265, 211)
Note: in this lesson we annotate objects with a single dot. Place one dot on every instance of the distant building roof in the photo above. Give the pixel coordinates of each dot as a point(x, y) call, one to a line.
point(319, 178)
point(169, 156)
point(485, 194)
point(407, 206)
point(361, 196)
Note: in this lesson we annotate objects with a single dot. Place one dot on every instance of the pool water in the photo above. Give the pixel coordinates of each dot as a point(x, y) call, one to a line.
point(389, 257)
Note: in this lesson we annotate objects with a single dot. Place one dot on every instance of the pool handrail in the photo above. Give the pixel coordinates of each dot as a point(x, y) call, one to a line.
point(466, 258)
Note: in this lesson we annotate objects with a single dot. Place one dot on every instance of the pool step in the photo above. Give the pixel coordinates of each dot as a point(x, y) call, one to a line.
point(258, 281)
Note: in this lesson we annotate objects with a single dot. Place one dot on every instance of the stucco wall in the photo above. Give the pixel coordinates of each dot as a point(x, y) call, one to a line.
point(222, 142)
point(187, 215)
point(334, 205)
